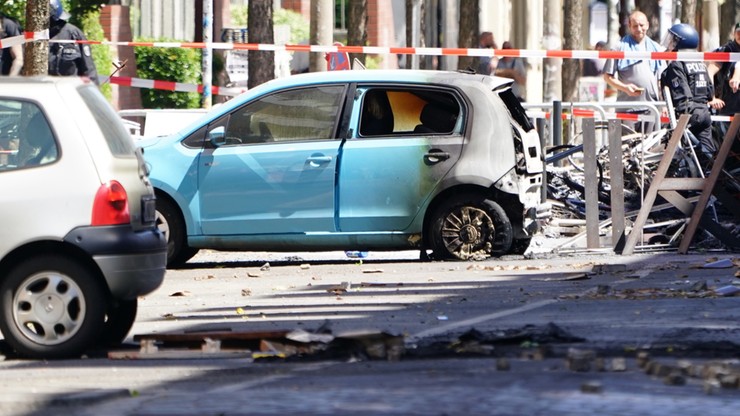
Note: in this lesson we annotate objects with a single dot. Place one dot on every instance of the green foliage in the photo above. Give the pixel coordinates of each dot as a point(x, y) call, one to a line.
point(79, 9)
point(299, 26)
point(168, 64)
point(90, 25)
point(15, 9)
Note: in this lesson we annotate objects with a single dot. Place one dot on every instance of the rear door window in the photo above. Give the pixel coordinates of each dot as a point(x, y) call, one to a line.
point(412, 111)
point(26, 138)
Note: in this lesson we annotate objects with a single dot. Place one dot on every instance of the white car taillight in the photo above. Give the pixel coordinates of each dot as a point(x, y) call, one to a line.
point(111, 205)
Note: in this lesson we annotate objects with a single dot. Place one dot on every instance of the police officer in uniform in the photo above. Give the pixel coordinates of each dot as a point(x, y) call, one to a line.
point(691, 87)
point(68, 58)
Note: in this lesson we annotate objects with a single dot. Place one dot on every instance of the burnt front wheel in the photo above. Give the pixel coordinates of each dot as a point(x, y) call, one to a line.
point(469, 227)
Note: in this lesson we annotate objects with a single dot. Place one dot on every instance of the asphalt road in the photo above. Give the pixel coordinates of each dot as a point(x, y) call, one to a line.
point(571, 334)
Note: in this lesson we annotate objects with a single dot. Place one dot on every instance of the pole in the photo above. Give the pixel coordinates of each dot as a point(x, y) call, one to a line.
point(415, 29)
point(207, 67)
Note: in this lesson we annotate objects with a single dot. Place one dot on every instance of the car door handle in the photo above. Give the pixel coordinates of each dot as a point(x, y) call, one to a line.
point(435, 156)
point(317, 161)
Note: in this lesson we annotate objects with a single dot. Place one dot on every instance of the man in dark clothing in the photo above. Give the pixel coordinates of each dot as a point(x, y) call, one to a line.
point(11, 58)
point(691, 87)
point(726, 77)
point(68, 58)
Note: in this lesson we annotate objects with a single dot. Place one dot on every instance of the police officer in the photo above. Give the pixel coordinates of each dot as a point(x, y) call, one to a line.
point(68, 58)
point(691, 87)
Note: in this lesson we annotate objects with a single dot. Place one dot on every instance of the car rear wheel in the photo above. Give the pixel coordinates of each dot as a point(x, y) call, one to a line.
point(52, 307)
point(119, 319)
point(470, 227)
point(170, 223)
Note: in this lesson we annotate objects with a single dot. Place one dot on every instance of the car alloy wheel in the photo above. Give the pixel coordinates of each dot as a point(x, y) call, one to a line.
point(52, 307)
point(469, 227)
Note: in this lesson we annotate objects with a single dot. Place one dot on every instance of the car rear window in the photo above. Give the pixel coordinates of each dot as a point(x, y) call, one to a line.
point(118, 138)
point(26, 138)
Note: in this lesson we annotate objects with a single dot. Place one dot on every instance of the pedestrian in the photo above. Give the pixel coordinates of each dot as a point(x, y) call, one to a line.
point(691, 88)
point(595, 67)
point(486, 64)
point(68, 58)
point(635, 79)
point(726, 79)
point(11, 59)
point(514, 68)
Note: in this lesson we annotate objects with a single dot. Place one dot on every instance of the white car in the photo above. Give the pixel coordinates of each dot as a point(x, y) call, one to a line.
point(78, 240)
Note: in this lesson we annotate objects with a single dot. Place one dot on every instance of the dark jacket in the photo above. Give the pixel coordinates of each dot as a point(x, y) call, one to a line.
point(70, 58)
point(722, 79)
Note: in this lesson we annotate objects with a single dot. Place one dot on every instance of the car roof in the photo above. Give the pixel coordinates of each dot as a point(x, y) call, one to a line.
point(400, 76)
point(41, 80)
point(385, 75)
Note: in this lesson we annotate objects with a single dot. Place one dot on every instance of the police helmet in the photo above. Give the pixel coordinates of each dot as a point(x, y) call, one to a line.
point(56, 11)
point(682, 36)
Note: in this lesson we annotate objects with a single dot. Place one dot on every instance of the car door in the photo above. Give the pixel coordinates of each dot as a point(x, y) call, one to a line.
point(272, 169)
point(405, 140)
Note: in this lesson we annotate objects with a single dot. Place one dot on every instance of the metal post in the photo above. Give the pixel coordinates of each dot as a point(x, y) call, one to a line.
point(540, 123)
point(556, 123)
point(207, 53)
point(616, 174)
point(415, 31)
point(591, 183)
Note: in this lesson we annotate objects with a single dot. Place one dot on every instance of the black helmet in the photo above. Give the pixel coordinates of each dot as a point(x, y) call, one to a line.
point(681, 36)
point(56, 11)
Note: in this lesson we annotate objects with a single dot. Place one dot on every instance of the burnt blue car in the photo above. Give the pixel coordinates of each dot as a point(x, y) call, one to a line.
point(354, 160)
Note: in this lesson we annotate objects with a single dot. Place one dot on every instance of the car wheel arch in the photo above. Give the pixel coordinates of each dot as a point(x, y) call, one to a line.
point(49, 247)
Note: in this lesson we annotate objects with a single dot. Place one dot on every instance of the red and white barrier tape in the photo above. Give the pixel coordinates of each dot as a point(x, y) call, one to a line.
point(383, 50)
point(171, 86)
point(611, 116)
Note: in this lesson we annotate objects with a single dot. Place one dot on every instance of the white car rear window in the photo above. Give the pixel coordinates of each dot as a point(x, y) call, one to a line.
point(118, 138)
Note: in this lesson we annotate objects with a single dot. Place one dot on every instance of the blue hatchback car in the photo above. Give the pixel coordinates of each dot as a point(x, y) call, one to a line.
point(382, 160)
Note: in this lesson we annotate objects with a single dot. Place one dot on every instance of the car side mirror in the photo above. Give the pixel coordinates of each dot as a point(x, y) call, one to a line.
point(217, 136)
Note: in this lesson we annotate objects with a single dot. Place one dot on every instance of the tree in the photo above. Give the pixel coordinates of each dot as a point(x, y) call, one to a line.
point(357, 27)
point(469, 30)
point(728, 17)
point(688, 12)
point(36, 54)
point(571, 72)
point(651, 8)
point(552, 80)
point(261, 63)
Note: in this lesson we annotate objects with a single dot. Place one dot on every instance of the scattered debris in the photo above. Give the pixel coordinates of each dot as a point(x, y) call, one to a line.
point(305, 266)
point(719, 264)
point(568, 277)
point(503, 364)
point(208, 277)
point(246, 292)
point(181, 293)
point(368, 271)
point(579, 360)
point(592, 387)
point(731, 290)
point(609, 268)
point(265, 267)
point(250, 274)
point(340, 289)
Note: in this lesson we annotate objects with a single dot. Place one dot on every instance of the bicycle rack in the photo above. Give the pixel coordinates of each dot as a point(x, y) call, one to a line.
point(668, 188)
